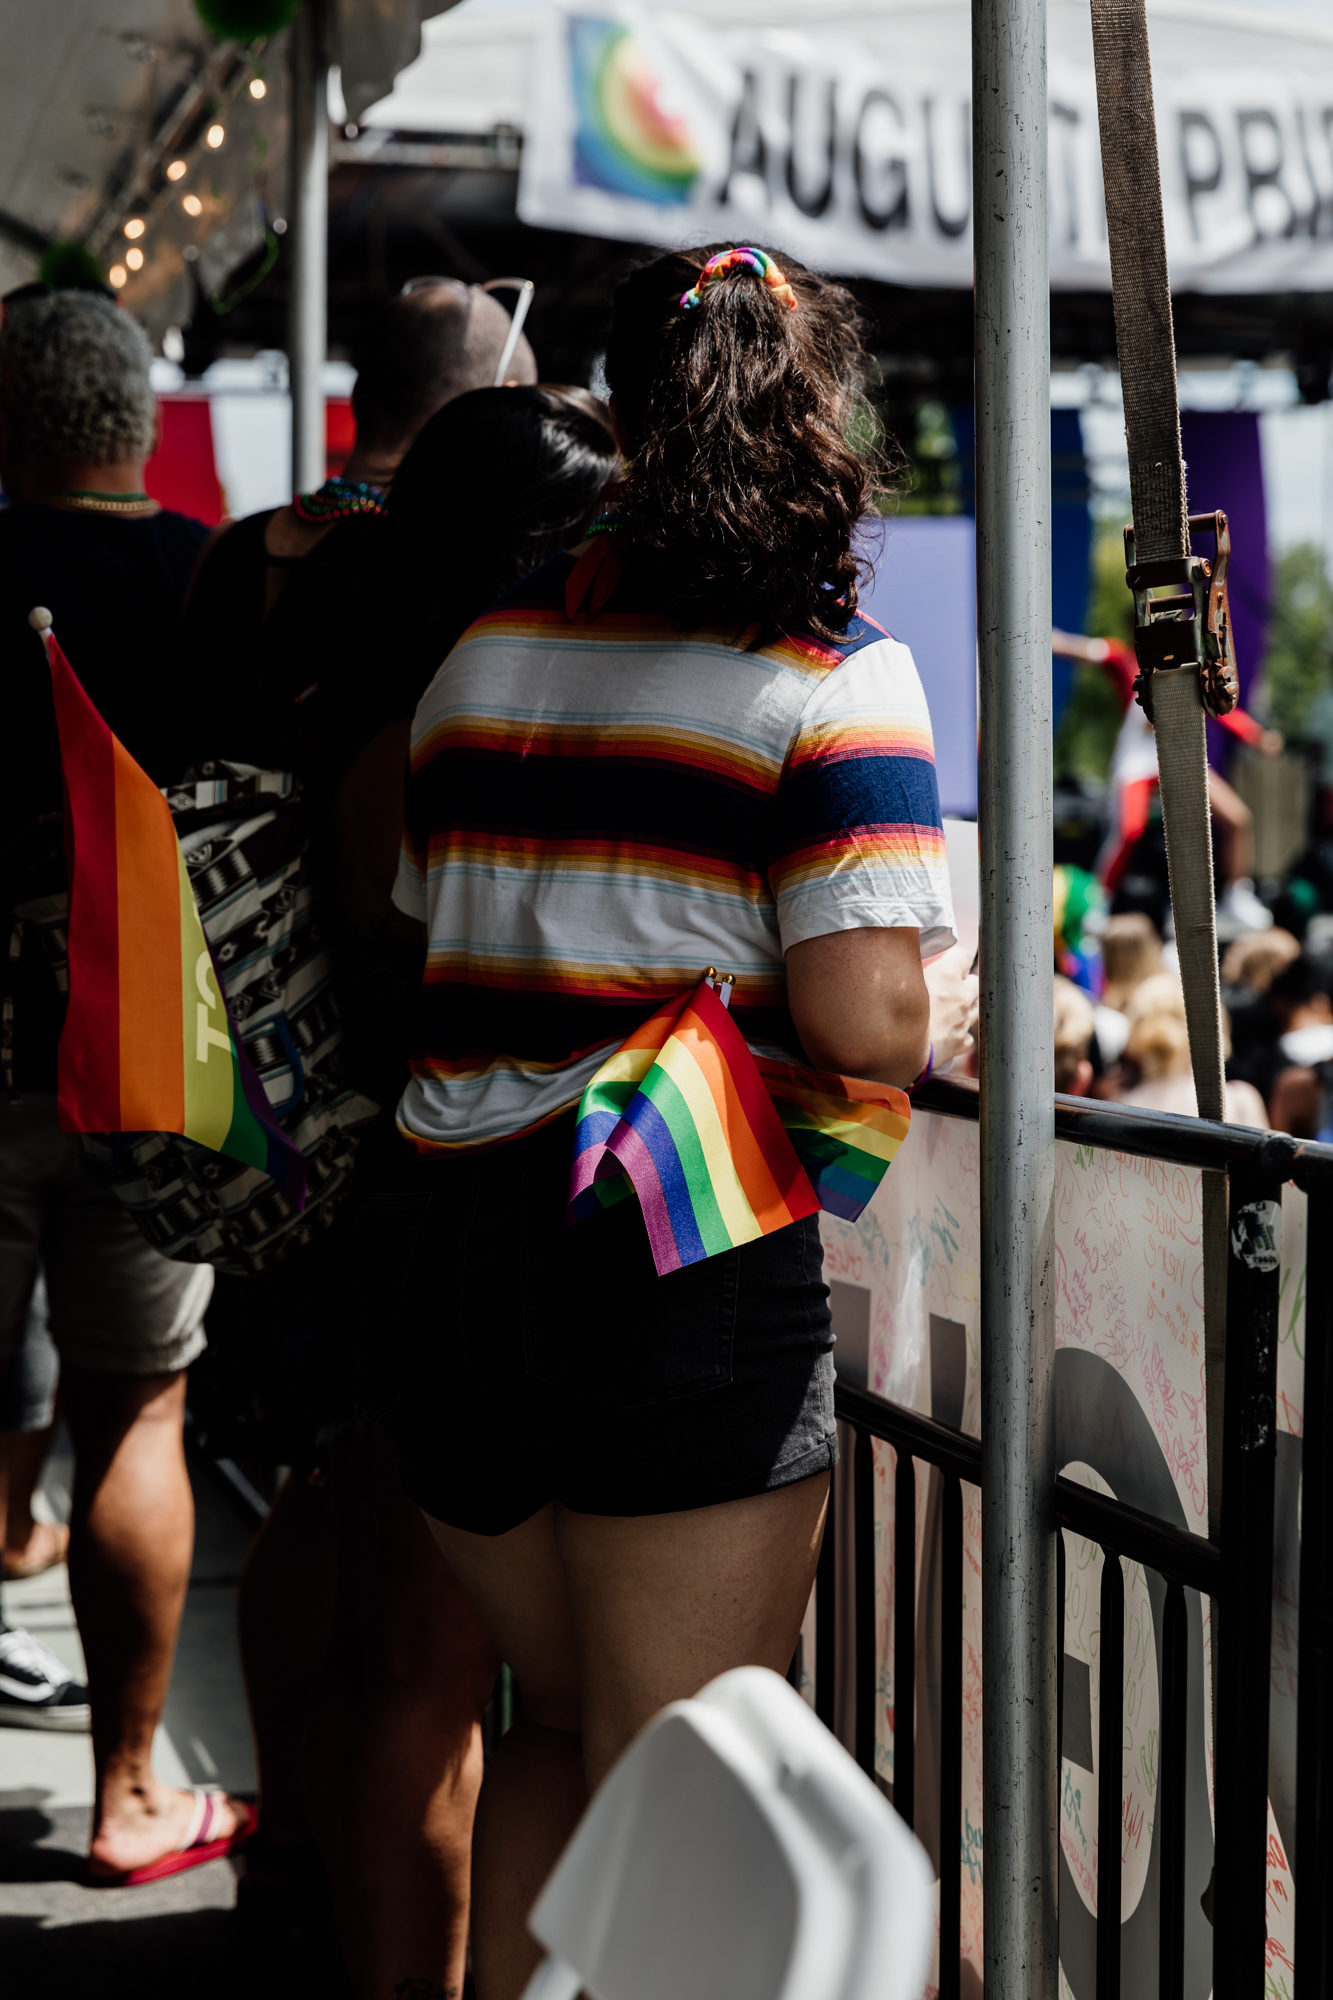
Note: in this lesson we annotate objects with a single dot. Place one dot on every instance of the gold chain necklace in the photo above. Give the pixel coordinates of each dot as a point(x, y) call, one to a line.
point(133, 505)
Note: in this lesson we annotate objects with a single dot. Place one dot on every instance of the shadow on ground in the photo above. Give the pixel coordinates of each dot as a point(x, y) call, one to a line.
point(181, 1939)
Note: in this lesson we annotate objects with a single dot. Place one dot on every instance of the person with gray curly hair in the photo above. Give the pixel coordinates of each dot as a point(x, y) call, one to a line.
point(76, 388)
point(81, 535)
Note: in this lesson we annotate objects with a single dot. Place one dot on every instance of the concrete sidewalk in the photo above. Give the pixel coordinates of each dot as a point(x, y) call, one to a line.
point(61, 1941)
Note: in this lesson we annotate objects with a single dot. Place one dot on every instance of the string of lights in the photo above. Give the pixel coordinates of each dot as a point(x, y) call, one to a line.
point(195, 129)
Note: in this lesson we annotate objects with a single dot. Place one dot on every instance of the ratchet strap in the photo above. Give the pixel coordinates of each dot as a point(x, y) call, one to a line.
point(1182, 638)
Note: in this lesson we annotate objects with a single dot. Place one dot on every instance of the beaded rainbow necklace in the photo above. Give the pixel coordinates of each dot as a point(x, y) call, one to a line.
point(339, 499)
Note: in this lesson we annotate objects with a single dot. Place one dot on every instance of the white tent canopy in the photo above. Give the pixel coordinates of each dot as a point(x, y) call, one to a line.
point(841, 129)
point(97, 97)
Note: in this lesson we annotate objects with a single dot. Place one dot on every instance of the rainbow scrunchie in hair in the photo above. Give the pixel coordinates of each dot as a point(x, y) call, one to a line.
point(754, 260)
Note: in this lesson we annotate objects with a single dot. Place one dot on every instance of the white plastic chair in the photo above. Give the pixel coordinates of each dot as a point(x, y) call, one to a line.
point(736, 1852)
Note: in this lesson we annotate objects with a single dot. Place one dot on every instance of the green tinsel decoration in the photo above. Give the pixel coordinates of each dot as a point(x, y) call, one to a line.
point(68, 267)
point(245, 20)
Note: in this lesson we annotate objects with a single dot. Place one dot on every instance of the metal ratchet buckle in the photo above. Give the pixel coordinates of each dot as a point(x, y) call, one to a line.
point(1191, 627)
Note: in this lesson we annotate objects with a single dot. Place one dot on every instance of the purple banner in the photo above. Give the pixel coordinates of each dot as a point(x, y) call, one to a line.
point(1224, 469)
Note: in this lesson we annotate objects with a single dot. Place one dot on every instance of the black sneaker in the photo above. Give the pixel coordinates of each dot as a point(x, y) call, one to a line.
point(36, 1692)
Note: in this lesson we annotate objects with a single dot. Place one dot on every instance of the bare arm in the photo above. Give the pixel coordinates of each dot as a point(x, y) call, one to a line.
point(860, 1005)
point(1235, 828)
point(1073, 646)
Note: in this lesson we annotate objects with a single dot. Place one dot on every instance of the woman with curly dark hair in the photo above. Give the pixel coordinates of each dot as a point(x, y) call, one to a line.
point(677, 745)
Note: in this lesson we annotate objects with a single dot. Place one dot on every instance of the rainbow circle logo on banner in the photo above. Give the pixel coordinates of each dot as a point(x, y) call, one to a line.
point(627, 140)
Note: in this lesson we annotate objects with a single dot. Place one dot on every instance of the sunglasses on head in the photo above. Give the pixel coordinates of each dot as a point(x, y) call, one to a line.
point(523, 286)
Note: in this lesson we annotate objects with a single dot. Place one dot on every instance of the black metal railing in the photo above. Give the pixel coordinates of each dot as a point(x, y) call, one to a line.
point(1236, 1573)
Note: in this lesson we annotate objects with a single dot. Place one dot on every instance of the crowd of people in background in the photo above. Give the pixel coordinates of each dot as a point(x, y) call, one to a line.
point(1120, 1008)
point(661, 724)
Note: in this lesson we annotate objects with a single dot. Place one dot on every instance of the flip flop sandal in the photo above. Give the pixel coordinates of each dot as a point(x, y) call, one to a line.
point(202, 1847)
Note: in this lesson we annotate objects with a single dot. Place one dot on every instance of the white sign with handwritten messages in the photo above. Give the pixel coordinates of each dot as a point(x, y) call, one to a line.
point(1130, 1422)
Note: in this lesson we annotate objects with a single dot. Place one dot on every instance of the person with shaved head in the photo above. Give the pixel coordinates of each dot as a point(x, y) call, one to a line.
point(435, 340)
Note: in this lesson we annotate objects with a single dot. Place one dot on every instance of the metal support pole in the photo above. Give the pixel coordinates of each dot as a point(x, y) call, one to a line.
point(1244, 1657)
point(1314, 1724)
point(308, 234)
point(1017, 1083)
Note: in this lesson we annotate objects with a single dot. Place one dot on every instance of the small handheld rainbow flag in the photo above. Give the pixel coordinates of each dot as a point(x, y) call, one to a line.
point(147, 1045)
point(722, 1147)
point(845, 1131)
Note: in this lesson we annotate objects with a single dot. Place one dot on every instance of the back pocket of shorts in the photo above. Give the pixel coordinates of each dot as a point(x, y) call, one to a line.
point(608, 1329)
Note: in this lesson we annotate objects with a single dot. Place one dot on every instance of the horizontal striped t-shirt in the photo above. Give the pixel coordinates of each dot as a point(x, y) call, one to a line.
point(601, 806)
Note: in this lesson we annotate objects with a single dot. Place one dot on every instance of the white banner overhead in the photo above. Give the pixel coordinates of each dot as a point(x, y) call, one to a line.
point(847, 141)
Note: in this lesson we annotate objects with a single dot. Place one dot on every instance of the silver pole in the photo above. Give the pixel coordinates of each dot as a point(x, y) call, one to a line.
point(308, 223)
point(1017, 1082)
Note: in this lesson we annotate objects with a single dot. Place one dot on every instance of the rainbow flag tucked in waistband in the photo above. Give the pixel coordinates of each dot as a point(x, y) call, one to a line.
point(147, 1045)
point(721, 1147)
point(845, 1131)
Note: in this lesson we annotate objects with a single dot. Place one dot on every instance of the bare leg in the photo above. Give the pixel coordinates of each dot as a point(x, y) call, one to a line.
point(415, 1668)
point(1233, 826)
point(665, 1603)
point(22, 1456)
point(29, 1545)
point(285, 1612)
point(534, 1790)
point(29, 1377)
point(532, 1800)
point(645, 1611)
point(130, 1547)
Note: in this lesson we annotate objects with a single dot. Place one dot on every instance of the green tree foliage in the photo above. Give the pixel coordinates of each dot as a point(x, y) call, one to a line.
point(1298, 666)
point(1110, 604)
point(918, 451)
point(935, 485)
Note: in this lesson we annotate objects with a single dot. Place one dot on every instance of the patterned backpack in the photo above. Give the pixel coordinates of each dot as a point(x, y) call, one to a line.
point(246, 841)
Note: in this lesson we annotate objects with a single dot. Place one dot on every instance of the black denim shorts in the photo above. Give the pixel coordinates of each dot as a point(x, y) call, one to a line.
point(516, 1359)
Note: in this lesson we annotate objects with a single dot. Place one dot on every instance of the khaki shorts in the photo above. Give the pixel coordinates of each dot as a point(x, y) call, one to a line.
point(116, 1306)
